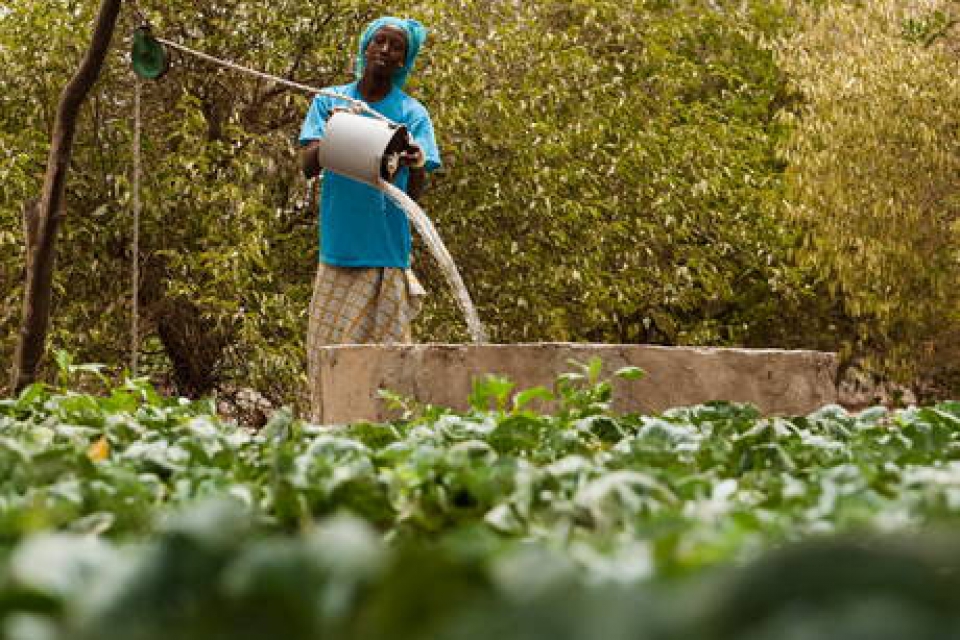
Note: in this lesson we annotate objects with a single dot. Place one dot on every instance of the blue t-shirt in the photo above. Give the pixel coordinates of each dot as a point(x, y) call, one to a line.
point(359, 225)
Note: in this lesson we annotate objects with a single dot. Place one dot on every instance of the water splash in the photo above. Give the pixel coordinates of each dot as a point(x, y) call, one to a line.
point(430, 236)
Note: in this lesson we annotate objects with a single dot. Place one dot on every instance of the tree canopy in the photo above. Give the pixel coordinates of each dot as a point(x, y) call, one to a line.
point(731, 173)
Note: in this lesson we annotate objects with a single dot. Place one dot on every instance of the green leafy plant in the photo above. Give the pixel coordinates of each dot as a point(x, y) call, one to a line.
point(131, 514)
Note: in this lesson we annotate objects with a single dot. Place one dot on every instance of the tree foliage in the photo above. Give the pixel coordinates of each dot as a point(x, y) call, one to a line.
point(613, 164)
point(612, 173)
point(874, 172)
point(227, 235)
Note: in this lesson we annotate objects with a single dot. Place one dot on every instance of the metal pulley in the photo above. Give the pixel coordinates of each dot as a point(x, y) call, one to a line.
point(148, 57)
point(363, 148)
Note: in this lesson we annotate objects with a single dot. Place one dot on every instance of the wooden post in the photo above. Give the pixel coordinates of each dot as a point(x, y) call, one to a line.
point(35, 319)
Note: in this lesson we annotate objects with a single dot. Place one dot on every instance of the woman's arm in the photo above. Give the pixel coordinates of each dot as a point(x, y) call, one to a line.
point(415, 160)
point(309, 162)
point(416, 182)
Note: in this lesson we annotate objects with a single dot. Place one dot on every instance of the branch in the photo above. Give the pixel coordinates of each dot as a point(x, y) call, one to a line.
point(40, 264)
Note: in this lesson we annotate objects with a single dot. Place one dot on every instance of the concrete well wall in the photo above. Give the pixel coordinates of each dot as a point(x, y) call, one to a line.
point(776, 381)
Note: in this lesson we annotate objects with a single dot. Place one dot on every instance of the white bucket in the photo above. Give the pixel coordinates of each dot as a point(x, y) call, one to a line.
point(361, 147)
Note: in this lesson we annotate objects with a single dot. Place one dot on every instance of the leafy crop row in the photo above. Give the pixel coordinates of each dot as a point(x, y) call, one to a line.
point(134, 514)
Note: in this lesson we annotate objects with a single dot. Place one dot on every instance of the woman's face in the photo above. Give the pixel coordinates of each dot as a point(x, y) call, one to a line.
point(386, 51)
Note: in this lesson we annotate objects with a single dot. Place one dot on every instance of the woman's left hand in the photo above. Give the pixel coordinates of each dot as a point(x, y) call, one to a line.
point(413, 156)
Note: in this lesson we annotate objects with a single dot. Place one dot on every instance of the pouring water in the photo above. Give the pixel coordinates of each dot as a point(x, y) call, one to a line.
point(428, 232)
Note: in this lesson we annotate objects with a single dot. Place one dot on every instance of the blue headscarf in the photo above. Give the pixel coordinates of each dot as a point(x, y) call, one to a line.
point(416, 33)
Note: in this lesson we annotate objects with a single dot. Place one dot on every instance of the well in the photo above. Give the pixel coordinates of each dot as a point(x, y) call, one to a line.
point(776, 381)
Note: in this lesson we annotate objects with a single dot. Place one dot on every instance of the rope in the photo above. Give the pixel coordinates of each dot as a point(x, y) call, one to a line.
point(135, 305)
point(356, 104)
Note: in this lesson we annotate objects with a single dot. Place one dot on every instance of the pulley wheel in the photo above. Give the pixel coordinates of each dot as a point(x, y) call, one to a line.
point(148, 56)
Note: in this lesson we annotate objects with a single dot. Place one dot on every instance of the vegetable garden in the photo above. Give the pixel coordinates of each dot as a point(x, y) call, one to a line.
point(133, 515)
point(699, 172)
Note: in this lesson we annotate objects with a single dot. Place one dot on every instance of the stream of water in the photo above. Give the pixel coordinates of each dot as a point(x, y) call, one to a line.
point(428, 232)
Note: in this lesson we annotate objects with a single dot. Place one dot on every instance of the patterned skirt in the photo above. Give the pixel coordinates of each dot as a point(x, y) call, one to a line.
point(358, 305)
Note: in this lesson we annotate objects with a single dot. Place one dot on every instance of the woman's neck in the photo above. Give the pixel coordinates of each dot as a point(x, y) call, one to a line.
point(374, 88)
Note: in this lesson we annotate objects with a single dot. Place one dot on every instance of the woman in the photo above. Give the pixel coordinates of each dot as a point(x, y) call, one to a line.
point(364, 291)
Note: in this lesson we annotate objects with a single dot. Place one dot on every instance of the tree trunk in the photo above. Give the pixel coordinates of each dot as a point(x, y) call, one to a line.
point(31, 218)
point(42, 254)
point(194, 345)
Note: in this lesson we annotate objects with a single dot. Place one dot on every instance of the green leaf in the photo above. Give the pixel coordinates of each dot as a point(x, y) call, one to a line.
point(525, 397)
point(490, 389)
point(630, 373)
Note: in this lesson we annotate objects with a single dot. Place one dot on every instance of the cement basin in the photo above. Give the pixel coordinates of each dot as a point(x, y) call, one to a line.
point(777, 382)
